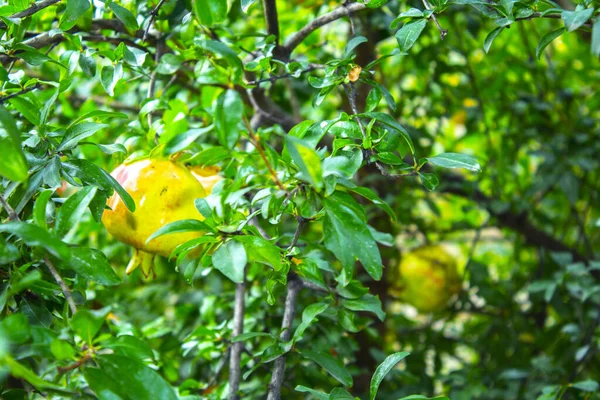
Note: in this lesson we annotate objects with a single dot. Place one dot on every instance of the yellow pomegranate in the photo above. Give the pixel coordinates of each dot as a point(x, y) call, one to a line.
point(163, 191)
point(207, 176)
point(427, 278)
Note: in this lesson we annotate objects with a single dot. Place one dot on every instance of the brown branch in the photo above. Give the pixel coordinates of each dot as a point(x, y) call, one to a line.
point(86, 357)
point(443, 32)
point(316, 23)
point(12, 214)
point(61, 283)
point(275, 78)
point(235, 373)
point(271, 19)
point(35, 7)
point(256, 143)
point(294, 287)
point(516, 222)
point(20, 92)
point(153, 15)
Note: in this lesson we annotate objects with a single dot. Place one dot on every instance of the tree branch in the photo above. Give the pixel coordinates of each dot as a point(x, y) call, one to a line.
point(271, 19)
point(235, 374)
point(20, 92)
point(12, 214)
point(153, 15)
point(35, 7)
point(315, 24)
point(61, 283)
point(443, 32)
point(294, 286)
point(517, 222)
point(256, 143)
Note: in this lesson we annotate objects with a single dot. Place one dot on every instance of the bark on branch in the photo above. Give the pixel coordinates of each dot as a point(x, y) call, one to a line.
point(294, 286)
point(315, 24)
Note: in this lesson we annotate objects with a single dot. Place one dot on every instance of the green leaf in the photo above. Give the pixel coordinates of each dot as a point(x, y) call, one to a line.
point(184, 225)
point(587, 386)
point(133, 378)
point(210, 156)
point(390, 122)
point(74, 10)
point(596, 37)
point(576, 19)
point(455, 160)
point(308, 316)
point(18, 370)
point(261, 250)
point(169, 64)
point(110, 76)
point(224, 52)
point(35, 236)
point(368, 302)
point(353, 44)
point(489, 39)
point(332, 365)
point(87, 323)
point(411, 13)
point(39, 209)
point(124, 15)
point(93, 174)
point(98, 114)
point(409, 33)
point(231, 260)
point(129, 346)
point(341, 394)
point(8, 253)
point(370, 195)
point(375, 3)
point(228, 117)
point(319, 395)
point(62, 350)
point(110, 148)
point(246, 4)
point(27, 109)
point(347, 235)
point(93, 265)
point(429, 180)
point(77, 133)
point(383, 369)
point(307, 160)
point(546, 40)
point(210, 12)
point(184, 140)
point(13, 164)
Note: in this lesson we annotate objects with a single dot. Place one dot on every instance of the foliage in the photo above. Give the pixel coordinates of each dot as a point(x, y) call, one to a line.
point(344, 132)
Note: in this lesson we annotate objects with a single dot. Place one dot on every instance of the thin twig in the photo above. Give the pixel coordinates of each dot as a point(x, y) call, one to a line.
point(220, 367)
point(20, 92)
point(86, 357)
point(443, 32)
point(256, 143)
point(152, 87)
point(35, 7)
point(301, 222)
point(153, 15)
point(235, 373)
point(275, 78)
point(294, 287)
point(61, 283)
point(297, 38)
point(351, 93)
point(12, 214)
